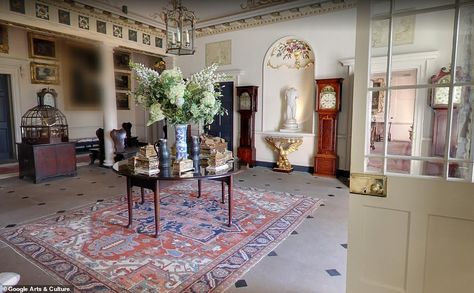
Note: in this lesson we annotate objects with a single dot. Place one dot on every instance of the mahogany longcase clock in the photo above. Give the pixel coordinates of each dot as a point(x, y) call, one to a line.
point(247, 97)
point(328, 105)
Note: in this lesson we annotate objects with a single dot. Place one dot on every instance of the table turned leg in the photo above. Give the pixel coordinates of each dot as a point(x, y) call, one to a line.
point(223, 191)
point(199, 188)
point(231, 194)
point(157, 208)
point(129, 201)
point(143, 195)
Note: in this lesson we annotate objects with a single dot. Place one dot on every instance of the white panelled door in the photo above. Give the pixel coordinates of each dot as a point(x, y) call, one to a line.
point(420, 237)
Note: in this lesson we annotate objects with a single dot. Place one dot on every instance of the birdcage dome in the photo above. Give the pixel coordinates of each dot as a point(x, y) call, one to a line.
point(44, 124)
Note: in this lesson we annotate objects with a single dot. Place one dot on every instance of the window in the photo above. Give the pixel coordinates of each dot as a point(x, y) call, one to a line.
point(421, 111)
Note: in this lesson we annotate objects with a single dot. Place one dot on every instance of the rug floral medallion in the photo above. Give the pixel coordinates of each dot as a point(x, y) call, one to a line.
point(195, 252)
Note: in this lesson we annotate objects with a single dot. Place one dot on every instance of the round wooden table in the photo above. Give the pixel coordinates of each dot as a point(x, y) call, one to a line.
point(152, 182)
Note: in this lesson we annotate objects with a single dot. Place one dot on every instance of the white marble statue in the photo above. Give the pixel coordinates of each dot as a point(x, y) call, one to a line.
point(291, 125)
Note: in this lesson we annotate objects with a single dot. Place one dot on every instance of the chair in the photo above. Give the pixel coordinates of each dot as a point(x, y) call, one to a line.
point(130, 141)
point(121, 150)
point(98, 153)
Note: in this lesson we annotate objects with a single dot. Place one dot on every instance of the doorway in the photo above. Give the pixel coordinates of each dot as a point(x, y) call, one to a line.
point(223, 126)
point(6, 126)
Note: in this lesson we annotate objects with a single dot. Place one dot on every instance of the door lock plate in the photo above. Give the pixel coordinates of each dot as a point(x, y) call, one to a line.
point(368, 184)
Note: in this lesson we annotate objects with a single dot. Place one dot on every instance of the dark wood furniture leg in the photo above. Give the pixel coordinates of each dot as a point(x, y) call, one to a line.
point(223, 191)
point(157, 207)
point(231, 194)
point(143, 195)
point(129, 200)
point(199, 188)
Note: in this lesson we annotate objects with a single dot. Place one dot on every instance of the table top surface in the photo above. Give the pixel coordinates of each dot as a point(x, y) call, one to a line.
point(124, 169)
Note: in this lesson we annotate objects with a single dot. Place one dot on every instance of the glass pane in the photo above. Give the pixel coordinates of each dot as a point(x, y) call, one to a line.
point(403, 5)
point(465, 49)
point(374, 165)
point(400, 166)
point(379, 7)
point(377, 125)
point(460, 170)
point(461, 128)
point(433, 168)
point(401, 122)
point(418, 33)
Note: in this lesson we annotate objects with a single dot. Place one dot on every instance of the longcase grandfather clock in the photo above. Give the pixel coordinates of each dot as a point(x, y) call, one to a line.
point(328, 105)
point(247, 97)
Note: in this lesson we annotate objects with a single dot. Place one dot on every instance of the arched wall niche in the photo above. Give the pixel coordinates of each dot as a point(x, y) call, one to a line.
point(289, 62)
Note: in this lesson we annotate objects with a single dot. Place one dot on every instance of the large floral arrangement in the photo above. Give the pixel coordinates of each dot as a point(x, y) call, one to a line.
point(168, 95)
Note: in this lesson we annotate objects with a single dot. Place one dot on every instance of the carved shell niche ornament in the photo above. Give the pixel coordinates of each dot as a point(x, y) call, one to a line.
point(292, 54)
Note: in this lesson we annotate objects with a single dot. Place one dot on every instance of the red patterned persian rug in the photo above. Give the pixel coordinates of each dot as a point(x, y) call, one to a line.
point(195, 252)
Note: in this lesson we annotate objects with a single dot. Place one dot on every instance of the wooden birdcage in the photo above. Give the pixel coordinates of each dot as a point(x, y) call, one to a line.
point(44, 124)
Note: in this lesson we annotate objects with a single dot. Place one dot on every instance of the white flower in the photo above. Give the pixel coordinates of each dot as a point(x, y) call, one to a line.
point(174, 73)
point(156, 114)
point(180, 102)
point(140, 99)
point(176, 93)
point(209, 99)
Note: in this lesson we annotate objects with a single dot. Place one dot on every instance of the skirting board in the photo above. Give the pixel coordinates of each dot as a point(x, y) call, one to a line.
point(339, 173)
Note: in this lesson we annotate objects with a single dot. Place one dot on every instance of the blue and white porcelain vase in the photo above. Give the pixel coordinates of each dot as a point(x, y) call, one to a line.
point(181, 144)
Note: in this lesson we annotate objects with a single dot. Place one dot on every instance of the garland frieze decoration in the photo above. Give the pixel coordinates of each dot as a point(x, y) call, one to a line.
point(252, 4)
point(292, 53)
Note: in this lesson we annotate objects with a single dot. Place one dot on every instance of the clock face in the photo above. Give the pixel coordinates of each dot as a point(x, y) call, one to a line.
point(48, 100)
point(245, 102)
point(441, 94)
point(327, 98)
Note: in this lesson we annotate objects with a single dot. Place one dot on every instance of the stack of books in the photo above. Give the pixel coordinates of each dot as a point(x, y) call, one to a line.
point(146, 162)
point(210, 144)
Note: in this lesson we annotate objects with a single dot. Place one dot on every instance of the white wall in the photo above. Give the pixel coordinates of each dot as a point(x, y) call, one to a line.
point(332, 37)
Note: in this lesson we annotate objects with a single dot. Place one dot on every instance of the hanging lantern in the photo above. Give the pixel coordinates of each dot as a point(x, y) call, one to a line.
point(179, 29)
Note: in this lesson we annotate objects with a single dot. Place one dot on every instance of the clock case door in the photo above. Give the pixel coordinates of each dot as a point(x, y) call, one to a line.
point(246, 151)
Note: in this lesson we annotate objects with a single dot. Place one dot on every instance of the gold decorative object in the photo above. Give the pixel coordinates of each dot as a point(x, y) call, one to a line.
point(148, 151)
point(368, 184)
point(284, 146)
point(182, 166)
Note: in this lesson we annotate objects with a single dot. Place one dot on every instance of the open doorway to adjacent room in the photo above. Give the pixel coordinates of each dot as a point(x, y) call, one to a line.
point(7, 150)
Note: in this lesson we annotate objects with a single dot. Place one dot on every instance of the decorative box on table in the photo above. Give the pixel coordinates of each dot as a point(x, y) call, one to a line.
point(146, 162)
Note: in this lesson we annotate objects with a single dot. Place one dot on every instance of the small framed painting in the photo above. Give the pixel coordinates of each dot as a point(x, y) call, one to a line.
point(123, 101)
point(121, 60)
point(122, 81)
point(17, 6)
point(40, 46)
point(44, 73)
point(3, 39)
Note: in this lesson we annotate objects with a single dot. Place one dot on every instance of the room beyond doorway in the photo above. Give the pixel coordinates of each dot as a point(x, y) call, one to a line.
point(7, 151)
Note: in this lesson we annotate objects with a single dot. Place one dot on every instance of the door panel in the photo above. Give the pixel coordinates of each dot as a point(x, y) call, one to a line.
point(223, 126)
point(6, 147)
point(419, 238)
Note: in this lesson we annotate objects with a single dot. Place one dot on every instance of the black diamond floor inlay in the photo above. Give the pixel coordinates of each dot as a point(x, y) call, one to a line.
point(60, 212)
point(11, 225)
point(41, 203)
point(333, 272)
point(80, 194)
point(339, 187)
point(93, 182)
point(100, 200)
point(11, 191)
point(310, 217)
point(62, 189)
point(272, 253)
point(254, 175)
point(241, 180)
point(240, 284)
point(294, 233)
point(344, 245)
point(331, 195)
point(25, 197)
point(322, 205)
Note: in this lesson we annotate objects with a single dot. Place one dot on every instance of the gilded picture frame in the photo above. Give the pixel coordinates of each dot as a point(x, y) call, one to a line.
point(123, 81)
point(4, 39)
point(42, 47)
point(123, 101)
point(44, 73)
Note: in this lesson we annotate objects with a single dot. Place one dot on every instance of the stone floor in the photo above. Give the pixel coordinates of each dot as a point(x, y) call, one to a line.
point(312, 259)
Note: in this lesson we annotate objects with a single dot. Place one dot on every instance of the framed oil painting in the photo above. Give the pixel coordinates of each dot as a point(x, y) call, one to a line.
point(41, 46)
point(122, 81)
point(44, 73)
point(219, 52)
point(121, 60)
point(83, 85)
point(3, 39)
point(123, 101)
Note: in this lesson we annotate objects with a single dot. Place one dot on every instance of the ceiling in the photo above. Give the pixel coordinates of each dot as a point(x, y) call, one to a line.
point(208, 12)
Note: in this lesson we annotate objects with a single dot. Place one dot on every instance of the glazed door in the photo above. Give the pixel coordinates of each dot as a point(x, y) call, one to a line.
point(417, 237)
point(223, 125)
point(6, 139)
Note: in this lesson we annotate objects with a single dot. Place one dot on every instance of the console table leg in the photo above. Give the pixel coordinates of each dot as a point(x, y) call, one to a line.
point(199, 188)
point(143, 195)
point(223, 191)
point(157, 208)
point(231, 193)
point(129, 200)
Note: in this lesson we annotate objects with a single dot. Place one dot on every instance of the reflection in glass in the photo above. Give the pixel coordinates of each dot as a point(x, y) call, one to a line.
point(465, 50)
